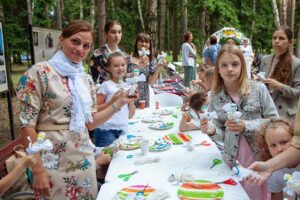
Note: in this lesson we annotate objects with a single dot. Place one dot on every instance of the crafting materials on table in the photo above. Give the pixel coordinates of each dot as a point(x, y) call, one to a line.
point(147, 160)
point(160, 144)
point(131, 142)
point(163, 111)
point(229, 181)
point(144, 147)
point(151, 119)
point(200, 189)
point(161, 125)
point(134, 191)
point(126, 177)
point(178, 138)
point(240, 173)
point(204, 143)
point(215, 163)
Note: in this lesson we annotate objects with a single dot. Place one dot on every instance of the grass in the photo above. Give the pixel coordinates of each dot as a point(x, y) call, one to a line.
point(5, 132)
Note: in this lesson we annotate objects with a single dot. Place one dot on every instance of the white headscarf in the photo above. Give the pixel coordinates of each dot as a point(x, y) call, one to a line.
point(82, 101)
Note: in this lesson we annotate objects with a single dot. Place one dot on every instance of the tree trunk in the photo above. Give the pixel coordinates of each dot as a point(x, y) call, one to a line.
point(58, 11)
point(174, 33)
point(283, 12)
point(203, 16)
point(275, 12)
point(92, 13)
point(292, 8)
point(80, 10)
point(253, 19)
point(29, 13)
point(162, 25)
point(169, 20)
point(298, 42)
point(101, 20)
point(62, 7)
point(140, 14)
point(185, 20)
point(151, 7)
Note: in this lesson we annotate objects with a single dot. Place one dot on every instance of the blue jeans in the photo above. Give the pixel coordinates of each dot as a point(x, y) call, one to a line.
point(104, 138)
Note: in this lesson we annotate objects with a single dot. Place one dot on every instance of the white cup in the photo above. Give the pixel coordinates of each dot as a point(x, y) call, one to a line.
point(144, 147)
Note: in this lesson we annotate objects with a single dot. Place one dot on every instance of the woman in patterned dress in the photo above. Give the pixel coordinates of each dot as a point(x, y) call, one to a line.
point(143, 59)
point(58, 98)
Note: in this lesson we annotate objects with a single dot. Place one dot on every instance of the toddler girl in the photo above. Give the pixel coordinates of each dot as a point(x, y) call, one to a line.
point(273, 138)
point(191, 120)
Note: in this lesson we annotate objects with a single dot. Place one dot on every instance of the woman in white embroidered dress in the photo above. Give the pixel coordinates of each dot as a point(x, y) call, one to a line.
point(58, 98)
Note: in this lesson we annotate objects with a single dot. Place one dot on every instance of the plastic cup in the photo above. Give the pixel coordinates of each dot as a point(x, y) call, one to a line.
point(142, 104)
point(144, 147)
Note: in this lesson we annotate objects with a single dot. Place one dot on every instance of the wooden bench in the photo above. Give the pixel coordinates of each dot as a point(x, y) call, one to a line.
point(5, 153)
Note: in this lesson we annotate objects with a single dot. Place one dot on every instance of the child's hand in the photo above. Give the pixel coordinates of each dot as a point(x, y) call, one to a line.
point(204, 125)
point(186, 117)
point(103, 159)
point(117, 95)
point(30, 161)
point(233, 126)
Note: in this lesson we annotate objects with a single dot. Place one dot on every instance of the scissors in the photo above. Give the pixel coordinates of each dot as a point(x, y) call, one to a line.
point(227, 182)
point(204, 143)
point(216, 162)
point(126, 177)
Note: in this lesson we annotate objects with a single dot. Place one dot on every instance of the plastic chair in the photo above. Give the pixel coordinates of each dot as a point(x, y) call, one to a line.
point(168, 99)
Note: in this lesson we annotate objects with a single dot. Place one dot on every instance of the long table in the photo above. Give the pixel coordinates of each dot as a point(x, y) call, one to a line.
point(177, 160)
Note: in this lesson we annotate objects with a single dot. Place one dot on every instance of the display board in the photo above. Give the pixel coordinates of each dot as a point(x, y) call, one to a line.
point(45, 43)
point(3, 74)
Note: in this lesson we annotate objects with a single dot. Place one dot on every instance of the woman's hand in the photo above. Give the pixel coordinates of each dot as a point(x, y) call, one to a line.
point(204, 126)
point(143, 62)
point(41, 183)
point(233, 126)
point(273, 84)
point(263, 169)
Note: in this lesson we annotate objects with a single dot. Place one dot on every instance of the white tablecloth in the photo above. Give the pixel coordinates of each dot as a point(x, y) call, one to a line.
point(176, 160)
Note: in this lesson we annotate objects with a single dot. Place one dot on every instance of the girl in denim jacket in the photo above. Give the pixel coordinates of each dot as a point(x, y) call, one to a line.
point(253, 101)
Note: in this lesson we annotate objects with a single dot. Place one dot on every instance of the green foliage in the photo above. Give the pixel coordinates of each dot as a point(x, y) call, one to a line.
point(16, 29)
point(230, 13)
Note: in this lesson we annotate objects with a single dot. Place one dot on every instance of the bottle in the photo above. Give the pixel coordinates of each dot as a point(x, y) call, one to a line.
point(134, 80)
point(157, 105)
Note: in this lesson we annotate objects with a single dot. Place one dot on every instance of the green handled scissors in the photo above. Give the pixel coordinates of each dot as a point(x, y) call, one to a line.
point(216, 162)
point(126, 177)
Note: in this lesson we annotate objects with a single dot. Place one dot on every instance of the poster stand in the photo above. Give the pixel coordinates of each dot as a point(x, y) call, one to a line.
point(3, 79)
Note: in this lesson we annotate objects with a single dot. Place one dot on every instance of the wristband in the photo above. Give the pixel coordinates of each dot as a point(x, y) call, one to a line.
point(115, 107)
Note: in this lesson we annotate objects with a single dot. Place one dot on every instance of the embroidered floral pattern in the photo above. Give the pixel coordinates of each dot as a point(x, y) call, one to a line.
point(49, 102)
point(27, 114)
point(67, 111)
point(26, 87)
point(76, 189)
point(50, 160)
point(83, 164)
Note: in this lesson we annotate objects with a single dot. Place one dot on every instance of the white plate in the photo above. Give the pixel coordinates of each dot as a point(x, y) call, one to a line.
point(160, 145)
point(151, 119)
point(164, 112)
point(161, 125)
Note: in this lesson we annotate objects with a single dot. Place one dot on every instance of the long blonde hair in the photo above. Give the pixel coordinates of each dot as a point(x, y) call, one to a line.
point(218, 82)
